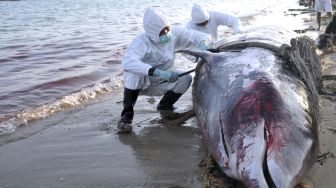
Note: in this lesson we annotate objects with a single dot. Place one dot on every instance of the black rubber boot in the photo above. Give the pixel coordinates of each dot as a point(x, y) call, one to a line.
point(130, 97)
point(327, 39)
point(168, 100)
point(331, 27)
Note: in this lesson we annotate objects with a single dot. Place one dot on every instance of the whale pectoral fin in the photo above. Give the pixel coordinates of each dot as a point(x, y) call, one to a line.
point(176, 118)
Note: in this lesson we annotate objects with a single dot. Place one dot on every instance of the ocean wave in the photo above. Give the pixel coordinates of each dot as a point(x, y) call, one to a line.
point(67, 102)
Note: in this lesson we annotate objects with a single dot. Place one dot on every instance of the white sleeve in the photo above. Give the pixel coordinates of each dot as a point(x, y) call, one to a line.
point(131, 62)
point(189, 25)
point(228, 20)
point(186, 38)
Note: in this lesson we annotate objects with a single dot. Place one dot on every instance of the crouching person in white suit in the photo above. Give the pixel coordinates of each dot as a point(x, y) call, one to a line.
point(149, 59)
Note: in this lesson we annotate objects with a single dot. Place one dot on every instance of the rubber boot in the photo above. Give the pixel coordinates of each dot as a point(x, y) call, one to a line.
point(331, 27)
point(130, 97)
point(168, 100)
point(327, 39)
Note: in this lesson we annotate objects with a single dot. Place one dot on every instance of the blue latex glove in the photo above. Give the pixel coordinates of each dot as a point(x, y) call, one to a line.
point(170, 76)
point(203, 45)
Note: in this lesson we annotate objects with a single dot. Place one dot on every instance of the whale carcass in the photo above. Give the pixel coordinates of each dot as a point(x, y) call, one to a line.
point(256, 100)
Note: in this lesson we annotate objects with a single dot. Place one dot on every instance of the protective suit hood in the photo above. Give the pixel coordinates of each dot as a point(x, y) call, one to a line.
point(199, 14)
point(154, 21)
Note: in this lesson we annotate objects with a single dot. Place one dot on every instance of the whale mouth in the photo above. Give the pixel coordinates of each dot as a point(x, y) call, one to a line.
point(267, 174)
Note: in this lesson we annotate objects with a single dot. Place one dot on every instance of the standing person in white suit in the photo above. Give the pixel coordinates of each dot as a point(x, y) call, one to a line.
point(209, 21)
point(322, 6)
point(149, 58)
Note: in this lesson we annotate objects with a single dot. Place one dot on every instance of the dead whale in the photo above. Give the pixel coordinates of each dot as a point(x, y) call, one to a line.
point(256, 100)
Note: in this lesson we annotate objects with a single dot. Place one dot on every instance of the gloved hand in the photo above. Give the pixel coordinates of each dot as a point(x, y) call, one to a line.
point(170, 76)
point(203, 45)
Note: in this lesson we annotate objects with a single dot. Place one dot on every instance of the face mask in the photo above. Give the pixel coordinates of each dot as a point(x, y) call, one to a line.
point(165, 38)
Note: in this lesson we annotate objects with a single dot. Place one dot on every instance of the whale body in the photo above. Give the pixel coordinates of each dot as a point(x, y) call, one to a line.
point(255, 98)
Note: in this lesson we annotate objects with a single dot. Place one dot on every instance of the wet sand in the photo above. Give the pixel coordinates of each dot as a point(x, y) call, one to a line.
point(80, 147)
point(322, 174)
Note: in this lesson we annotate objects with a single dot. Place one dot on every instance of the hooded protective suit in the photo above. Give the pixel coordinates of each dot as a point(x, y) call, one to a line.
point(215, 19)
point(146, 51)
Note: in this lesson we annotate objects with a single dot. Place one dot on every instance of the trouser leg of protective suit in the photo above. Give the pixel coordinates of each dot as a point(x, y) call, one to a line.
point(130, 97)
point(168, 100)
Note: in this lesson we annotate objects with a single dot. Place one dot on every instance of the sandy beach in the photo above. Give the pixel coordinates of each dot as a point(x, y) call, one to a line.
point(80, 148)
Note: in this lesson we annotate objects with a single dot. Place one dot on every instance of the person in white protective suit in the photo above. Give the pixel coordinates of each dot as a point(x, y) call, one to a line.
point(149, 59)
point(209, 21)
point(322, 6)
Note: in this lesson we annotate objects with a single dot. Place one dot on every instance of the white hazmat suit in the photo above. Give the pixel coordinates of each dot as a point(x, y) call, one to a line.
point(146, 52)
point(152, 54)
point(215, 19)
